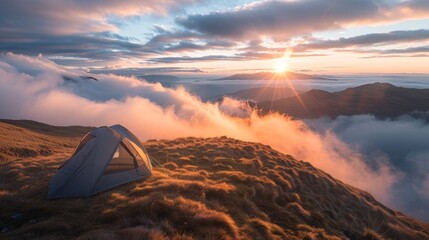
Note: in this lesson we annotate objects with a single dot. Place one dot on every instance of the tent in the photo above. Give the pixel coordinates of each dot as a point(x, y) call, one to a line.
point(106, 157)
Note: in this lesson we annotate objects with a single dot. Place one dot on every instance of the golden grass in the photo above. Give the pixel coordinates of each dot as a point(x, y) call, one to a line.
point(216, 188)
point(29, 139)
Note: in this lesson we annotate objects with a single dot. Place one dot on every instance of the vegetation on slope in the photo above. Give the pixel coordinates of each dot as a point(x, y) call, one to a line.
point(216, 188)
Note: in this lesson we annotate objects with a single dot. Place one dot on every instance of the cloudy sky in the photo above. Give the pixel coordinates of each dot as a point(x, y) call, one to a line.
point(212, 37)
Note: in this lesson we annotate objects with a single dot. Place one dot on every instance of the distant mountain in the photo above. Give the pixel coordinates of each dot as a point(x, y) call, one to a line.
point(382, 100)
point(213, 188)
point(76, 79)
point(159, 78)
point(262, 94)
point(271, 76)
point(165, 80)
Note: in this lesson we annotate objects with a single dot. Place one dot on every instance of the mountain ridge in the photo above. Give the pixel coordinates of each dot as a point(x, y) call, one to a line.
point(261, 94)
point(271, 76)
point(383, 100)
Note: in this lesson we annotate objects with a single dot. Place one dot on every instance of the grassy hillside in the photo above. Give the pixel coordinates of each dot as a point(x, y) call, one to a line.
point(24, 139)
point(216, 188)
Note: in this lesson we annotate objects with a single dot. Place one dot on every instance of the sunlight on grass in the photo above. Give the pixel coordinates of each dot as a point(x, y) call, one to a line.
point(208, 188)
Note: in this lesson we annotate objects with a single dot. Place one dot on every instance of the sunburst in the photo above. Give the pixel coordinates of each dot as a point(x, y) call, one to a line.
point(282, 64)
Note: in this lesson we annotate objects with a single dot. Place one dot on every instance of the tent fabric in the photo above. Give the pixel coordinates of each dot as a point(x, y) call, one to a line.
point(106, 157)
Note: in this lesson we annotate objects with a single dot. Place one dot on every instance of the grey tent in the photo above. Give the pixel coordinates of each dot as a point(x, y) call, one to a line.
point(106, 157)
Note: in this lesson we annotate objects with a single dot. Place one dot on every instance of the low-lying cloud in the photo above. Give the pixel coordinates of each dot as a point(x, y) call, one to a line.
point(35, 88)
point(403, 143)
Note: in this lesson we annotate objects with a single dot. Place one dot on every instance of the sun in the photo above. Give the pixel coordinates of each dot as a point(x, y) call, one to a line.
point(282, 64)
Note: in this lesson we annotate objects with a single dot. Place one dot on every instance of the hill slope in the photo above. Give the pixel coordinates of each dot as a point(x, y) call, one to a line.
point(24, 138)
point(216, 188)
point(383, 100)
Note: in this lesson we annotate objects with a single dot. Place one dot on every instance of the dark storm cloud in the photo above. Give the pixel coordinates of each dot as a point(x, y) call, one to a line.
point(417, 5)
point(191, 46)
point(185, 46)
point(422, 49)
point(79, 32)
point(243, 56)
point(104, 46)
point(75, 16)
point(195, 59)
point(78, 29)
point(164, 37)
point(78, 45)
point(256, 50)
point(368, 39)
point(282, 18)
point(143, 71)
point(180, 41)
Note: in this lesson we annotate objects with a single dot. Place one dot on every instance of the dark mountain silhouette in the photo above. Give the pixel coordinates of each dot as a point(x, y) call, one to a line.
point(159, 78)
point(271, 76)
point(262, 94)
point(382, 100)
point(76, 79)
point(165, 80)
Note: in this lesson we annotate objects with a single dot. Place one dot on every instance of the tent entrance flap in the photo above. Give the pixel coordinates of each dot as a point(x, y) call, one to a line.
point(122, 160)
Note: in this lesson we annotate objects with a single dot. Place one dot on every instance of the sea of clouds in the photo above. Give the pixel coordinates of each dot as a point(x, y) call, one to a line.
point(388, 158)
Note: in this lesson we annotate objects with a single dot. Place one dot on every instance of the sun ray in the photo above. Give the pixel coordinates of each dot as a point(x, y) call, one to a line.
point(281, 69)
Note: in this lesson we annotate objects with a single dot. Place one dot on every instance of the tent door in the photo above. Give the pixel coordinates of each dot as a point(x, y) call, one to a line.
point(122, 160)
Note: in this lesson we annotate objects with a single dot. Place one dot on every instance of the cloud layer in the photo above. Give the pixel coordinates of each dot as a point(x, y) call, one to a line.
point(367, 39)
point(289, 18)
point(86, 30)
point(34, 88)
point(403, 143)
point(281, 18)
point(64, 17)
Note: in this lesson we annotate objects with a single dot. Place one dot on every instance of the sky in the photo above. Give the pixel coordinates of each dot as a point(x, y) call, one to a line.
point(221, 37)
